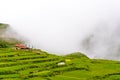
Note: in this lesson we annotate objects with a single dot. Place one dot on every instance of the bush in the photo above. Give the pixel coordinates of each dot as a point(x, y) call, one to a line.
point(76, 55)
point(8, 42)
point(3, 44)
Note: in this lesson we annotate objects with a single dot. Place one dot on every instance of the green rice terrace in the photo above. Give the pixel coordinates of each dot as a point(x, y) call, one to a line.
point(23, 63)
point(39, 65)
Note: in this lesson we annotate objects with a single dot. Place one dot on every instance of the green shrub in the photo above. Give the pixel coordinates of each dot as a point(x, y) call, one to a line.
point(77, 55)
point(3, 44)
point(8, 42)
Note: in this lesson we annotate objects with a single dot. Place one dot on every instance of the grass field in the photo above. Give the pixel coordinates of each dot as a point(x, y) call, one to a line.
point(39, 65)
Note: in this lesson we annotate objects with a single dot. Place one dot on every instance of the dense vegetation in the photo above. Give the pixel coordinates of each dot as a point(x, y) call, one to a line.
point(3, 26)
point(8, 42)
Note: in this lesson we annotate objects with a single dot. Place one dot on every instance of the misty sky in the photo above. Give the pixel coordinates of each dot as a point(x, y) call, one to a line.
point(58, 26)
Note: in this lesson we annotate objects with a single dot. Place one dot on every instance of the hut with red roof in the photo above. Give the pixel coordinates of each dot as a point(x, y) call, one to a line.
point(21, 46)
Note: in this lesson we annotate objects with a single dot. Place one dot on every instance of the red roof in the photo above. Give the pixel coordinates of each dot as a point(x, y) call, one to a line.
point(21, 46)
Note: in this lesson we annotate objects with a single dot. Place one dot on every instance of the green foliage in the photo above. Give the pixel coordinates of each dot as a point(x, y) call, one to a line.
point(10, 42)
point(2, 25)
point(76, 55)
point(3, 44)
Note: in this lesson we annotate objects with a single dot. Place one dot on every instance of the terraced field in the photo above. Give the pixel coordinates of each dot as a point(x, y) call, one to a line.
point(30, 65)
point(39, 65)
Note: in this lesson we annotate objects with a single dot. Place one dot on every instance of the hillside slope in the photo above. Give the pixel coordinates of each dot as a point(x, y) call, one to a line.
point(39, 65)
point(34, 64)
point(8, 37)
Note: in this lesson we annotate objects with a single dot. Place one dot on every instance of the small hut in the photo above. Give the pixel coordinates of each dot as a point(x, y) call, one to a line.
point(21, 46)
